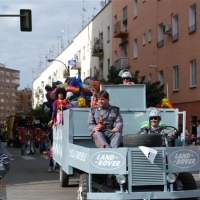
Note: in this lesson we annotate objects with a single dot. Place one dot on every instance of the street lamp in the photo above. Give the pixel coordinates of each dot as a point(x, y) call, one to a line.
point(67, 67)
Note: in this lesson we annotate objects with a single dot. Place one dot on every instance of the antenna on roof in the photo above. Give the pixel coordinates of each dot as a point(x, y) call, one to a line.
point(83, 17)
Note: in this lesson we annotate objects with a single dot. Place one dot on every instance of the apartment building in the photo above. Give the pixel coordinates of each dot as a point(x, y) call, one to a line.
point(160, 38)
point(9, 82)
point(90, 49)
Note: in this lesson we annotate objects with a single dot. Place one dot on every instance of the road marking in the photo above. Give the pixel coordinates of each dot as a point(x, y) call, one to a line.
point(44, 156)
point(28, 157)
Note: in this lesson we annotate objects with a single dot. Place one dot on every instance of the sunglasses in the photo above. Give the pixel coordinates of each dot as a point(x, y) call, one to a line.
point(126, 78)
point(155, 118)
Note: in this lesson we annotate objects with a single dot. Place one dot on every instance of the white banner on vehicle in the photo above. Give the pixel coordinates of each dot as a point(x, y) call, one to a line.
point(149, 153)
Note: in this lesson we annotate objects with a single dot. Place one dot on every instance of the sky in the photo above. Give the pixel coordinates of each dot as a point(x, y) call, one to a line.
point(54, 24)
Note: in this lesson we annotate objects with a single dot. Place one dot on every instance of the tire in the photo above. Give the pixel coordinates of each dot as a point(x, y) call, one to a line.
point(148, 140)
point(64, 178)
point(188, 182)
point(83, 187)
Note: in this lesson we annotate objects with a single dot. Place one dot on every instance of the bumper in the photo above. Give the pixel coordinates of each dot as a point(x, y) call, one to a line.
point(144, 195)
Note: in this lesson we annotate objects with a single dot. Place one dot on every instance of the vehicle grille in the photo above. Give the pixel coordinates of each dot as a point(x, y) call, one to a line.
point(142, 172)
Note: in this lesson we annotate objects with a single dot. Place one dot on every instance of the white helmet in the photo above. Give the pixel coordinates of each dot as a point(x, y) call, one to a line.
point(155, 113)
point(126, 74)
point(69, 95)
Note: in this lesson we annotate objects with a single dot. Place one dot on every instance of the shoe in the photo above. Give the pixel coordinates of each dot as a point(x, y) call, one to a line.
point(50, 169)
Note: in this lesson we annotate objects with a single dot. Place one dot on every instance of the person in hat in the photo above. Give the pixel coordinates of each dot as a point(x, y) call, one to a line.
point(154, 127)
point(94, 87)
point(126, 77)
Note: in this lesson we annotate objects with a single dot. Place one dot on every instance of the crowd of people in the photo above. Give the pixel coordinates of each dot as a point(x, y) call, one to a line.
point(194, 137)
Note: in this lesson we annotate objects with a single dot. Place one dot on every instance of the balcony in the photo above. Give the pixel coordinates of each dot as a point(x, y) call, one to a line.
point(118, 30)
point(97, 50)
point(121, 63)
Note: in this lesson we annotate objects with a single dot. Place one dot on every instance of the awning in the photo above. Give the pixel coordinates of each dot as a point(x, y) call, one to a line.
point(123, 43)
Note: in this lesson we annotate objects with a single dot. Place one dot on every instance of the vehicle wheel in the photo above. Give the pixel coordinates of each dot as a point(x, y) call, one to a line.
point(64, 178)
point(188, 182)
point(83, 187)
point(148, 140)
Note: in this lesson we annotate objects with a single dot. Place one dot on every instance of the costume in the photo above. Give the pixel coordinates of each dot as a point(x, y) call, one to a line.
point(112, 119)
point(94, 101)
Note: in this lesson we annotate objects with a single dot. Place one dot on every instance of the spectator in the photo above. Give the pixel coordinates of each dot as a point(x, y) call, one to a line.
point(194, 127)
point(198, 129)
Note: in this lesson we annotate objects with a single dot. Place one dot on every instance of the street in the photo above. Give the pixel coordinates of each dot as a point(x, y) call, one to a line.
point(29, 179)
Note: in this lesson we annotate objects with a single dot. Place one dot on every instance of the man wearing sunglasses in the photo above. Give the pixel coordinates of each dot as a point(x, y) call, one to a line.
point(155, 128)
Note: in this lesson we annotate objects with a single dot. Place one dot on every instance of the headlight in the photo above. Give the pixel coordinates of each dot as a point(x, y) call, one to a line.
point(121, 179)
point(171, 178)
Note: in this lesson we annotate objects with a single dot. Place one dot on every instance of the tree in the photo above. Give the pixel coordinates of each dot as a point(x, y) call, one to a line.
point(154, 90)
point(40, 114)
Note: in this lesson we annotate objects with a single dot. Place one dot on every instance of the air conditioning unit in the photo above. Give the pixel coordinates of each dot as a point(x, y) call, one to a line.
point(167, 29)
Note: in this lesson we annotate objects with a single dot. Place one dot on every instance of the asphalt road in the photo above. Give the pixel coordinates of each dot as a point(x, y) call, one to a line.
point(29, 179)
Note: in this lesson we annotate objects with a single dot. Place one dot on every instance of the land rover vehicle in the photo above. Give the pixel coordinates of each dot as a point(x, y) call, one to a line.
point(127, 172)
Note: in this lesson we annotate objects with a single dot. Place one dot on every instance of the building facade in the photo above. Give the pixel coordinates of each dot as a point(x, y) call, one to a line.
point(161, 39)
point(91, 48)
point(9, 83)
point(157, 37)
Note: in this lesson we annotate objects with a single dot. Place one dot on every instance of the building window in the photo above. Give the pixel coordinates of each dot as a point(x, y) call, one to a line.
point(13, 101)
point(88, 45)
point(108, 34)
point(149, 36)
point(160, 35)
point(15, 74)
point(115, 55)
point(1, 72)
point(2, 100)
point(7, 73)
point(124, 22)
point(7, 87)
point(144, 38)
point(2, 107)
point(161, 77)
point(175, 27)
point(193, 78)
point(7, 101)
point(108, 63)
point(192, 18)
point(135, 48)
point(2, 93)
point(175, 78)
point(84, 53)
point(1, 79)
point(7, 80)
point(13, 107)
point(1, 86)
point(150, 78)
point(135, 8)
point(7, 94)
